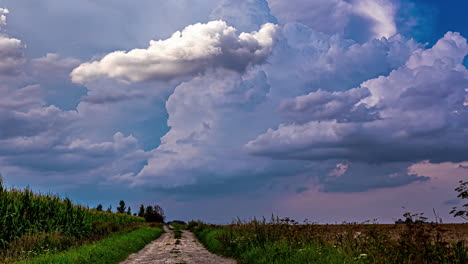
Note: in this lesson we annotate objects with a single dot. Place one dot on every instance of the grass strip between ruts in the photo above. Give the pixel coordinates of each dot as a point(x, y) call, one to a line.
point(110, 250)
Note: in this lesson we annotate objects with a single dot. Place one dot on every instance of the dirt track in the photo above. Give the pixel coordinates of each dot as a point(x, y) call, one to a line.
point(165, 251)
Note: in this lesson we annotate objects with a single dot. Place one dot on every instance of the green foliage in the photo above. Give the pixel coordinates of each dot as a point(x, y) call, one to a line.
point(154, 214)
point(129, 210)
point(28, 218)
point(111, 250)
point(177, 234)
point(121, 208)
point(463, 194)
point(286, 241)
point(141, 212)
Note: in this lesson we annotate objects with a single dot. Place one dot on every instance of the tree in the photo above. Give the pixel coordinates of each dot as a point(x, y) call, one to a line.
point(121, 208)
point(109, 209)
point(154, 214)
point(149, 212)
point(463, 194)
point(159, 214)
point(129, 210)
point(141, 213)
point(99, 207)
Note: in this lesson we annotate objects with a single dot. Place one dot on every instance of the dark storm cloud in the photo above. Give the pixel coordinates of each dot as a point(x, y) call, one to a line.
point(422, 116)
point(360, 177)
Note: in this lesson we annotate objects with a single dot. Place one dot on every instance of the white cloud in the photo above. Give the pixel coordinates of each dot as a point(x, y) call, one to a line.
point(317, 14)
point(382, 12)
point(191, 51)
point(322, 105)
point(11, 56)
point(421, 116)
point(357, 19)
point(3, 13)
point(245, 15)
point(206, 136)
point(308, 60)
point(52, 66)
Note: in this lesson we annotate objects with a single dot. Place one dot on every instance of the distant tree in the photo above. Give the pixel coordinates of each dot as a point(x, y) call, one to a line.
point(141, 213)
point(134, 214)
point(463, 194)
point(99, 207)
point(154, 214)
point(159, 214)
point(149, 212)
point(129, 210)
point(109, 209)
point(121, 208)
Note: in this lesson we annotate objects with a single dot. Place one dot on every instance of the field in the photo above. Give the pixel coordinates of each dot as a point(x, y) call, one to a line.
point(44, 228)
point(449, 232)
point(286, 241)
point(33, 224)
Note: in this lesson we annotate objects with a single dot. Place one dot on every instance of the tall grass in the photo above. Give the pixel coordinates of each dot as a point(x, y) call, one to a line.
point(286, 241)
point(31, 218)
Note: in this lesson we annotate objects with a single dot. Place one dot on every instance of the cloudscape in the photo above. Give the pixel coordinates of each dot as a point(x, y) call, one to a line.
point(328, 110)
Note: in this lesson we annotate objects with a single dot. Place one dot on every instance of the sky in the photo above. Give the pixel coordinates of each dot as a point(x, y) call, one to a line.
point(326, 110)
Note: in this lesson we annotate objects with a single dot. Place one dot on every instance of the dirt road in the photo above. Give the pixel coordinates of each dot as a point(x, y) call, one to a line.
point(164, 250)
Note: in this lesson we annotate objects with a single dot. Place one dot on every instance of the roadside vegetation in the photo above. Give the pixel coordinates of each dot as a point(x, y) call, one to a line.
point(285, 241)
point(110, 250)
point(177, 227)
point(281, 241)
point(34, 224)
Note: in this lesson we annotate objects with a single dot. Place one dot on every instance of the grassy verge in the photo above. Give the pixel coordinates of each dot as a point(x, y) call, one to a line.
point(277, 252)
point(109, 250)
point(280, 242)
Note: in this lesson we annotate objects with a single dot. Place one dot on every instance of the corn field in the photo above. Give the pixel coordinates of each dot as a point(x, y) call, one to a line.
point(23, 213)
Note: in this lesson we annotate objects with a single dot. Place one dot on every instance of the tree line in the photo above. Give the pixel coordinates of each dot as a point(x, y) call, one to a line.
point(150, 213)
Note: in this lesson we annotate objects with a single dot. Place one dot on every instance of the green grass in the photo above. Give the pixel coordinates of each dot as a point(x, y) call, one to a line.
point(177, 234)
point(286, 242)
point(110, 250)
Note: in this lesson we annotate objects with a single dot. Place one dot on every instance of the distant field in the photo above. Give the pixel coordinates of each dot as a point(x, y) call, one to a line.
point(450, 232)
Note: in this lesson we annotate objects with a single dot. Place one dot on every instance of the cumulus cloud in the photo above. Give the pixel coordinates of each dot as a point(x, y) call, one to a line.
point(201, 111)
point(316, 14)
point(46, 140)
point(41, 139)
point(245, 15)
point(11, 56)
point(381, 12)
point(11, 51)
point(357, 19)
point(421, 116)
point(318, 102)
point(52, 66)
point(322, 105)
point(3, 13)
point(193, 50)
point(331, 63)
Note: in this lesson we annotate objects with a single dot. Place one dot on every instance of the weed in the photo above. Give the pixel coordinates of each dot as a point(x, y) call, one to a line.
point(287, 241)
